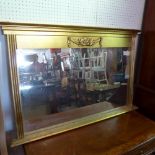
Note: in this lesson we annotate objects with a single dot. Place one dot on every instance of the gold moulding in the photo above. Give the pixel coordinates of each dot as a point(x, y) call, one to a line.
point(70, 125)
point(31, 41)
point(47, 36)
point(43, 36)
point(84, 41)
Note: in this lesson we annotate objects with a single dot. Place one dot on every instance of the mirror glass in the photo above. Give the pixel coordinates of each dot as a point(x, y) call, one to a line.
point(62, 84)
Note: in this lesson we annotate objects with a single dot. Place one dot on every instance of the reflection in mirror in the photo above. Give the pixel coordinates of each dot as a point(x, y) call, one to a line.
point(56, 84)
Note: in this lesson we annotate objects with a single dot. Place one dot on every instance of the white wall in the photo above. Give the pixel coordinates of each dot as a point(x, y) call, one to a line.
point(100, 13)
point(3, 148)
point(4, 85)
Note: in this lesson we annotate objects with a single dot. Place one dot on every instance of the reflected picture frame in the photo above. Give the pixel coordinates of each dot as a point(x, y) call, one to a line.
point(28, 36)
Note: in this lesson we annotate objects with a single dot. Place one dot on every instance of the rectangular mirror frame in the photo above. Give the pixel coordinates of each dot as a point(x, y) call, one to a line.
point(47, 36)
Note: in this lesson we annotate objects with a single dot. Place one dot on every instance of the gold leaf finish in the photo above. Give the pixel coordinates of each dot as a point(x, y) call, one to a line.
point(48, 36)
point(84, 41)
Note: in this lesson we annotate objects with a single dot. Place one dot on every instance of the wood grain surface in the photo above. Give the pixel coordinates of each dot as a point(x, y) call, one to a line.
point(115, 136)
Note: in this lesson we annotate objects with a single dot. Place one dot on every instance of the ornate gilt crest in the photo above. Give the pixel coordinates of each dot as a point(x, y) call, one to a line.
point(84, 41)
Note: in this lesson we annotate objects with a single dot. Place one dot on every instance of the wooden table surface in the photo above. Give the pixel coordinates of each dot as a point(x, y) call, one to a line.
point(115, 136)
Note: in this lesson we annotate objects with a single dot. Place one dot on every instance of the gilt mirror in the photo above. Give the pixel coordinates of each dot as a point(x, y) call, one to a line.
point(67, 77)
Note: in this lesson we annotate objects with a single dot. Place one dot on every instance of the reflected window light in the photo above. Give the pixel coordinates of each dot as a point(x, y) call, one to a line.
point(27, 87)
point(68, 63)
point(62, 66)
point(22, 62)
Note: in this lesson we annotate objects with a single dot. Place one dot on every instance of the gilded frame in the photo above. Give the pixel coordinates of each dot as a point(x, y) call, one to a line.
point(21, 36)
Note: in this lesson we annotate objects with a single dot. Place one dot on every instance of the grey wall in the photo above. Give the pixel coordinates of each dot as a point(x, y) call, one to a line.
point(4, 85)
